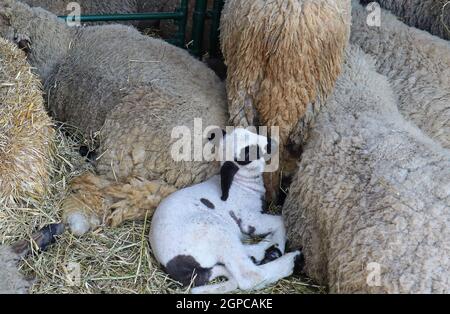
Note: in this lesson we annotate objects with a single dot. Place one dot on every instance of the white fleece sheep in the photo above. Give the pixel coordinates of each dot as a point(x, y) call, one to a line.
point(370, 203)
point(198, 231)
point(430, 15)
point(131, 89)
point(416, 63)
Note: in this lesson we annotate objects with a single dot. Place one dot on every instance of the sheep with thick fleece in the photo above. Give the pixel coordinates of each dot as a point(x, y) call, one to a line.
point(370, 202)
point(418, 69)
point(430, 15)
point(133, 90)
point(26, 133)
point(92, 7)
point(88, 7)
point(281, 57)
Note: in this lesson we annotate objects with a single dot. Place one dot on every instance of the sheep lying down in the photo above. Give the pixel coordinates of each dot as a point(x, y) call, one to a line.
point(418, 69)
point(198, 231)
point(370, 202)
point(133, 91)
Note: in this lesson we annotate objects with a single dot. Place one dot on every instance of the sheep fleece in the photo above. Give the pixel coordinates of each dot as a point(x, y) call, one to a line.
point(265, 86)
point(371, 190)
point(418, 69)
point(430, 15)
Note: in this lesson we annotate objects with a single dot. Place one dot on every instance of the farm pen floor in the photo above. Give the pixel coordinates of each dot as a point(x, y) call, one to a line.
point(108, 260)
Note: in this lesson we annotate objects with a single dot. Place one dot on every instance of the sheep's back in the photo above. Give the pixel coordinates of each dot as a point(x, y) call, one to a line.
point(107, 63)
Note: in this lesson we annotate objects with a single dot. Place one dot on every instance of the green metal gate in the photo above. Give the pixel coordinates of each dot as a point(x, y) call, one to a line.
point(180, 17)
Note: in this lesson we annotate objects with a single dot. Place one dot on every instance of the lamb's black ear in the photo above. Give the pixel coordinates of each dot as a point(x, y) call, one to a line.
point(227, 173)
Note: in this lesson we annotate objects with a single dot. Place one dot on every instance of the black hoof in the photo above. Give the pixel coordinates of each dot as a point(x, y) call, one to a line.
point(299, 263)
point(42, 238)
point(272, 254)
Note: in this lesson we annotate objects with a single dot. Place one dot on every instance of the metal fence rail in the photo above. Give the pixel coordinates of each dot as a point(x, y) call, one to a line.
point(180, 16)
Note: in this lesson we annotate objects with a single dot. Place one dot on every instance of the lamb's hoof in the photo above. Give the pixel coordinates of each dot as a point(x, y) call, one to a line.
point(272, 254)
point(299, 263)
point(78, 224)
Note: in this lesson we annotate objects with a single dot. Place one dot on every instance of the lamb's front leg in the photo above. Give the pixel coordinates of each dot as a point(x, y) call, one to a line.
point(259, 224)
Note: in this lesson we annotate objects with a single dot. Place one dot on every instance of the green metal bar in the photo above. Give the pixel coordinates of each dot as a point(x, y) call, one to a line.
point(214, 39)
point(198, 27)
point(180, 37)
point(130, 17)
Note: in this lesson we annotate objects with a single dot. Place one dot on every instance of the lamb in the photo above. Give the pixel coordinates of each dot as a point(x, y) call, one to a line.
point(26, 133)
point(430, 15)
point(370, 202)
point(131, 90)
point(264, 86)
point(418, 69)
point(210, 220)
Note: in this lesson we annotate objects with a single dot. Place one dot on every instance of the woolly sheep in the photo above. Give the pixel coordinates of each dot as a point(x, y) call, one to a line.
point(418, 69)
point(370, 202)
point(26, 133)
point(430, 15)
point(167, 28)
point(131, 89)
point(265, 87)
point(211, 219)
point(90, 7)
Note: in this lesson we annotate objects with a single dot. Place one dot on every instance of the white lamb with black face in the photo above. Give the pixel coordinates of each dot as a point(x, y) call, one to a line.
point(198, 232)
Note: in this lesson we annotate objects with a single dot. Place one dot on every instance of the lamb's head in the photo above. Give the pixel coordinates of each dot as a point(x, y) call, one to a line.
point(242, 152)
point(42, 36)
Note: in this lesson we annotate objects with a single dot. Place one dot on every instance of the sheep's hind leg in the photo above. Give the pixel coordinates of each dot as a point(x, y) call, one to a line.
point(95, 200)
point(252, 277)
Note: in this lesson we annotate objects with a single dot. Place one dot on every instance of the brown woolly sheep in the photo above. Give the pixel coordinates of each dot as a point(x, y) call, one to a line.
point(430, 15)
point(370, 202)
point(26, 133)
point(418, 68)
point(133, 90)
point(265, 87)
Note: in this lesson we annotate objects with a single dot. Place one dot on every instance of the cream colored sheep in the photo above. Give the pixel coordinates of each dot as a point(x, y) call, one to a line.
point(133, 90)
point(26, 133)
point(91, 7)
point(281, 57)
point(88, 7)
point(370, 202)
point(417, 65)
point(429, 15)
